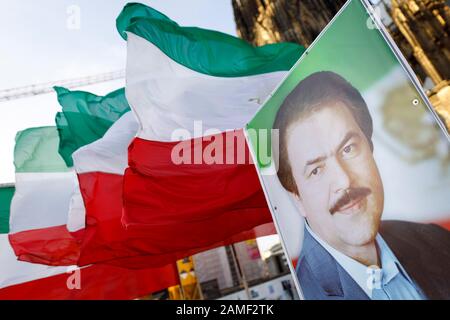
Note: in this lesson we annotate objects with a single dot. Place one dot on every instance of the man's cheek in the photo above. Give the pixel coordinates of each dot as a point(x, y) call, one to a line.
point(318, 202)
point(361, 161)
point(362, 176)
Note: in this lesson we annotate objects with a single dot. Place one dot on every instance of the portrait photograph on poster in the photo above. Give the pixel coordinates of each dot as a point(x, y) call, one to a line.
point(355, 167)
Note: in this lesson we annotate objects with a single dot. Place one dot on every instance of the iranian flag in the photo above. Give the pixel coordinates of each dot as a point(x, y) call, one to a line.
point(190, 181)
point(100, 167)
point(35, 232)
point(94, 232)
point(85, 118)
point(24, 280)
point(40, 206)
point(52, 230)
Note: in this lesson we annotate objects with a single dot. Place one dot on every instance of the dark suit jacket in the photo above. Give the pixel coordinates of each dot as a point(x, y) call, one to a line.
point(422, 249)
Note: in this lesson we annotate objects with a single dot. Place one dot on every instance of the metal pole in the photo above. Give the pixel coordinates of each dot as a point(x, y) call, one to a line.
point(240, 272)
point(198, 286)
point(183, 294)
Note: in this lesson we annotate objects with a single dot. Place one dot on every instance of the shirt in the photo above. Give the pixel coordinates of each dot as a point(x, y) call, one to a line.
point(390, 282)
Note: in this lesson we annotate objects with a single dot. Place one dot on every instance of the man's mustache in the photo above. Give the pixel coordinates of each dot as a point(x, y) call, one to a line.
point(350, 195)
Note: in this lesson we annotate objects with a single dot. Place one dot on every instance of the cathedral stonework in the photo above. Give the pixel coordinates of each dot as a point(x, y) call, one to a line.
point(267, 21)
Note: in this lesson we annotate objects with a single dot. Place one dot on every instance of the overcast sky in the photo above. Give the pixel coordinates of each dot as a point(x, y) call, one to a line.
point(37, 46)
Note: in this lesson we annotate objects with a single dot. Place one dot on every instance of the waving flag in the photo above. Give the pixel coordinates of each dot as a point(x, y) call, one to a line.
point(38, 232)
point(23, 280)
point(40, 206)
point(176, 78)
point(70, 236)
point(98, 282)
point(85, 117)
point(12, 271)
point(100, 167)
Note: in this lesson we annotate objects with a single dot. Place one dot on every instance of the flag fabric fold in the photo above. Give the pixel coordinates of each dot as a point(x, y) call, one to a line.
point(70, 236)
point(206, 51)
point(85, 117)
point(100, 167)
point(40, 206)
point(192, 87)
point(133, 11)
point(98, 282)
point(37, 213)
point(30, 281)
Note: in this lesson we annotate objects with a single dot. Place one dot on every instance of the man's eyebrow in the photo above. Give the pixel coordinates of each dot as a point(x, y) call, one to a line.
point(347, 137)
point(313, 161)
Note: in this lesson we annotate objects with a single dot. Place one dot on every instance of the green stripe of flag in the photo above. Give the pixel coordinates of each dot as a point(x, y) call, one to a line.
point(206, 51)
point(6, 194)
point(35, 151)
point(85, 118)
point(134, 11)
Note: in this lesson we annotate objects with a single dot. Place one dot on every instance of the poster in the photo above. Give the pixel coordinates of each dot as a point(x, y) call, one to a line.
point(356, 169)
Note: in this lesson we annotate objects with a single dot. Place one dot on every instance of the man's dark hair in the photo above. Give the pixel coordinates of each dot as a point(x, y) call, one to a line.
point(317, 91)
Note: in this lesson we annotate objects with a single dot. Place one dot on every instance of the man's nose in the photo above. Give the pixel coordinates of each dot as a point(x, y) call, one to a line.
point(340, 176)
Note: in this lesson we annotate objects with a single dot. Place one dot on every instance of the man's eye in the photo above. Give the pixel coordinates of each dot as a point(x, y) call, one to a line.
point(315, 172)
point(348, 148)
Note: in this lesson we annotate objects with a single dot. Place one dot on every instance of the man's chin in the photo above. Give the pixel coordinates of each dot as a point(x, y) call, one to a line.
point(359, 240)
point(358, 233)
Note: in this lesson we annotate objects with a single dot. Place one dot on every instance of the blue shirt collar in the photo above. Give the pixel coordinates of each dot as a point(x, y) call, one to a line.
point(390, 266)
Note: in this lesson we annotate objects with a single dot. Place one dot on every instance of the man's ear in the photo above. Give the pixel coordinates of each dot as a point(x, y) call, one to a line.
point(299, 204)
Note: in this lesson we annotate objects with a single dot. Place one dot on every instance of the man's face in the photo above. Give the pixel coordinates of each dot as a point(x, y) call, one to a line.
point(340, 189)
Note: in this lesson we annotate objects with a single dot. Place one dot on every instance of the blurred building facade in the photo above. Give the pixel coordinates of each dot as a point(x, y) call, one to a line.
point(214, 266)
point(224, 269)
point(250, 260)
point(268, 21)
point(421, 29)
point(236, 270)
point(276, 261)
